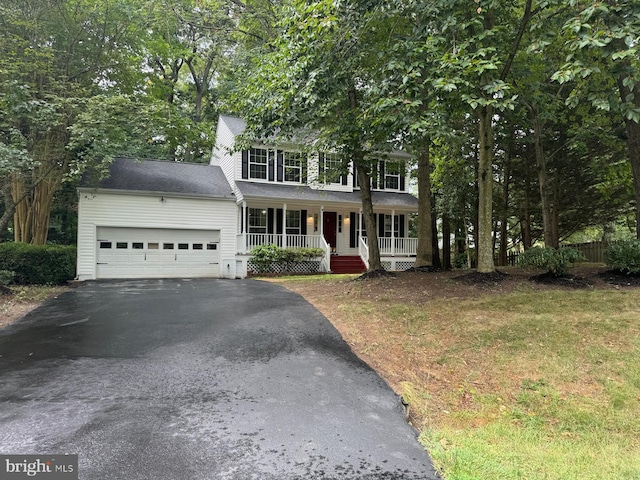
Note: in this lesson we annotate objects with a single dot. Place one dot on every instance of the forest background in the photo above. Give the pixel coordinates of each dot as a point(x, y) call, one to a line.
point(523, 117)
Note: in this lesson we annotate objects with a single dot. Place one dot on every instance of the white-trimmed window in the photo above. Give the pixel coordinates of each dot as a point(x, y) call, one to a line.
point(292, 164)
point(392, 172)
point(258, 163)
point(332, 168)
point(293, 222)
point(257, 220)
point(392, 223)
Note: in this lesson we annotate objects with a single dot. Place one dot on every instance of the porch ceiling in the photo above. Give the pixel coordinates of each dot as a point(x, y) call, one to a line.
point(270, 191)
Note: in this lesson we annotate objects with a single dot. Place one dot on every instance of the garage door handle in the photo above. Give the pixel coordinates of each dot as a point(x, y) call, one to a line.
point(102, 263)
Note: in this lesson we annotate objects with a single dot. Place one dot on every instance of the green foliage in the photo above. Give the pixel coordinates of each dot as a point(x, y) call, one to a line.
point(265, 257)
point(39, 264)
point(6, 277)
point(624, 256)
point(555, 261)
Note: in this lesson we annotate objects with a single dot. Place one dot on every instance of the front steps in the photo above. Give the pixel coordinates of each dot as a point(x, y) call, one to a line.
point(347, 264)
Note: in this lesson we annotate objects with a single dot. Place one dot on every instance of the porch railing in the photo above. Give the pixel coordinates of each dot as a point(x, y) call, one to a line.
point(396, 246)
point(247, 241)
point(325, 265)
point(363, 251)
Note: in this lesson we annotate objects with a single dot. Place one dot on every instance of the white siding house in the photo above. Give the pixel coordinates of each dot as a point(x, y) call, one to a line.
point(170, 219)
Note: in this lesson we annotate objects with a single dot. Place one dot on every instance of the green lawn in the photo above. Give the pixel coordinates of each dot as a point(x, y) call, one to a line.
point(532, 384)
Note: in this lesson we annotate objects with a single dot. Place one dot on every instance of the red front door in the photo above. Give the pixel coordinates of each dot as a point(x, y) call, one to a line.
point(330, 220)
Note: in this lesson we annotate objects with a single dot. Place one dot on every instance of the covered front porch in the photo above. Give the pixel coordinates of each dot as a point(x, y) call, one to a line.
point(336, 232)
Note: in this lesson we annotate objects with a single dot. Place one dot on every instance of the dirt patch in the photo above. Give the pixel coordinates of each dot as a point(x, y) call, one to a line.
point(11, 312)
point(17, 301)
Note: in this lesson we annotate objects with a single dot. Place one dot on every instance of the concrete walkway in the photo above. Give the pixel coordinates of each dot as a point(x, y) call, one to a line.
point(198, 379)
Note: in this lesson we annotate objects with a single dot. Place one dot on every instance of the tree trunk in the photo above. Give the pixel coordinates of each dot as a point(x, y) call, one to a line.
point(504, 214)
point(424, 253)
point(434, 242)
point(633, 147)
point(446, 242)
point(367, 213)
point(484, 247)
point(525, 219)
point(550, 240)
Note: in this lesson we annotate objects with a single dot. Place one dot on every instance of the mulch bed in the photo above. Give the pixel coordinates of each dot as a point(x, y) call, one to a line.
point(375, 274)
point(477, 278)
point(572, 281)
point(620, 279)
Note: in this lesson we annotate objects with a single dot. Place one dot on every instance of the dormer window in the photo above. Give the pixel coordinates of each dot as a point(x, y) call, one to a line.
point(258, 161)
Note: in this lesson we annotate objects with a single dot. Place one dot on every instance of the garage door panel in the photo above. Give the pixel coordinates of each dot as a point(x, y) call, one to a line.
point(160, 253)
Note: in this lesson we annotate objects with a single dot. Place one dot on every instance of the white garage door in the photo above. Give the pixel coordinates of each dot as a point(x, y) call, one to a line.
point(157, 253)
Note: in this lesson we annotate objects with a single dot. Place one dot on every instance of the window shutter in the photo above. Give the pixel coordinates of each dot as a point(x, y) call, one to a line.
point(303, 222)
point(403, 174)
point(343, 179)
point(279, 215)
point(280, 166)
point(381, 181)
point(271, 167)
point(381, 225)
point(402, 232)
point(245, 164)
point(303, 167)
point(353, 218)
point(270, 220)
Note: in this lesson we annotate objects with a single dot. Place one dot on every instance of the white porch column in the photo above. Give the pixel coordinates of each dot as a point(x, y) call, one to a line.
point(393, 232)
point(244, 222)
point(360, 226)
point(284, 225)
point(321, 221)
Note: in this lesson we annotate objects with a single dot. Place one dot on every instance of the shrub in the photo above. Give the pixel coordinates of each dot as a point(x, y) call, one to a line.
point(624, 256)
point(39, 264)
point(557, 262)
point(6, 277)
point(265, 256)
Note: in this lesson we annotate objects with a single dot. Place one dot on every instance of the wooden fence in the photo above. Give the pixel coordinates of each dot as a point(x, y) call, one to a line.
point(593, 251)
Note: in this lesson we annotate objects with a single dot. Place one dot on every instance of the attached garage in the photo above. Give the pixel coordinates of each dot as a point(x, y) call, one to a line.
point(157, 220)
point(157, 253)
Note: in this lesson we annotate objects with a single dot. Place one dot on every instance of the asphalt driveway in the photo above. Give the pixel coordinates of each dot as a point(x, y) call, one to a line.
point(198, 379)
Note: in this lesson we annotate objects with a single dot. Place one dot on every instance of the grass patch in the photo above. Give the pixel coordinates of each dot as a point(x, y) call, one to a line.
point(530, 384)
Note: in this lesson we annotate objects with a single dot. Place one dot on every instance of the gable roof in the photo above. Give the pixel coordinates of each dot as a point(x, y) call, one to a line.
point(303, 193)
point(189, 179)
point(235, 124)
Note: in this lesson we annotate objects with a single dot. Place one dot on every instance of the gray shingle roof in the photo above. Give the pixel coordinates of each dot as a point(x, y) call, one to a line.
point(307, 194)
point(164, 177)
point(235, 124)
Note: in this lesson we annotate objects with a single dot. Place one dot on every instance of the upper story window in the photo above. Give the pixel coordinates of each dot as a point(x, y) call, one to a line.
point(258, 162)
point(331, 167)
point(292, 165)
point(385, 175)
point(392, 173)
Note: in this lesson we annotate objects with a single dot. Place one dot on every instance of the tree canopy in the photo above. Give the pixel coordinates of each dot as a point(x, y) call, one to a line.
point(522, 117)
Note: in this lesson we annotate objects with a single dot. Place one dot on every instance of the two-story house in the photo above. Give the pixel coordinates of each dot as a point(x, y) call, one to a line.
point(290, 200)
point(170, 219)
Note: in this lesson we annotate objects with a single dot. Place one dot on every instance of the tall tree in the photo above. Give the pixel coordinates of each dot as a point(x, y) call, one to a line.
point(317, 78)
point(604, 36)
